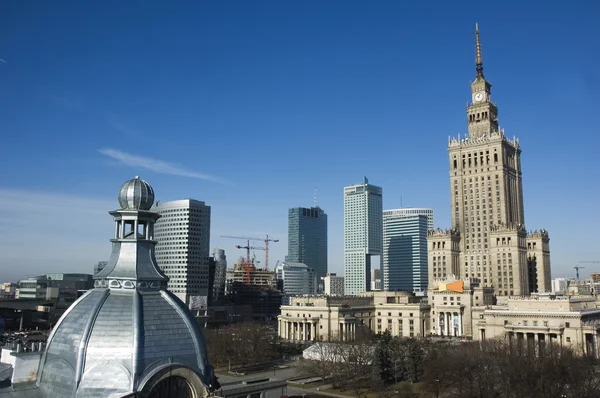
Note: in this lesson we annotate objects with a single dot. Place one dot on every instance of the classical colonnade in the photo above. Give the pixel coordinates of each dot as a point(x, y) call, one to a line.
point(307, 330)
point(446, 323)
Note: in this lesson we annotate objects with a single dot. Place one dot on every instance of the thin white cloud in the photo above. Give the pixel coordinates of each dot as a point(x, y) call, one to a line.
point(3, 61)
point(158, 166)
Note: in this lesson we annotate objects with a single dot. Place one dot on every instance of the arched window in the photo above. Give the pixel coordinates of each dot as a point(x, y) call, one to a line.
point(172, 387)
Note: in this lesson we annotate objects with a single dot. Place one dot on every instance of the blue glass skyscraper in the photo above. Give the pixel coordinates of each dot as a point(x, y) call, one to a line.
point(307, 238)
point(404, 251)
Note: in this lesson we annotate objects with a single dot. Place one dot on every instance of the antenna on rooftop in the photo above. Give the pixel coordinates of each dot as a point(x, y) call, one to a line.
point(314, 197)
point(401, 202)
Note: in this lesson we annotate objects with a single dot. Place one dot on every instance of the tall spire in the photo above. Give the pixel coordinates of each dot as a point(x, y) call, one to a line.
point(479, 62)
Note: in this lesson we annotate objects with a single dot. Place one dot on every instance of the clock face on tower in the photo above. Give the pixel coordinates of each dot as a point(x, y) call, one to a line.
point(479, 97)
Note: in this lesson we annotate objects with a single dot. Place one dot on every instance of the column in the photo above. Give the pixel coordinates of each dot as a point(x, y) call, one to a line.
point(289, 329)
point(304, 334)
point(315, 337)
point(447, 323)
point(341, 331)
point(280, 330)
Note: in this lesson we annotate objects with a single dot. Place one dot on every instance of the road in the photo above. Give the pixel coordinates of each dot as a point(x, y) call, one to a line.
point(284, 374)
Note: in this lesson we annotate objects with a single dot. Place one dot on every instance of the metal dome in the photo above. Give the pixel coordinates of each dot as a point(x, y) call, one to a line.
point(111, 343)
point(136, 194)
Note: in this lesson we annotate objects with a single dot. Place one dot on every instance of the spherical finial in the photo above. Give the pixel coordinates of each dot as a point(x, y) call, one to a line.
point(136, 194)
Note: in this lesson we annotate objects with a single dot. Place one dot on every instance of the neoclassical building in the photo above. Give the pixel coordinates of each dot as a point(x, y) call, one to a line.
point(328, 318)
point(452, 303)
point(535, 320)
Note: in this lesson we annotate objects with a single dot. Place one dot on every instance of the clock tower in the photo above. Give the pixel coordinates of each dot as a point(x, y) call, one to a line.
point(482, 113)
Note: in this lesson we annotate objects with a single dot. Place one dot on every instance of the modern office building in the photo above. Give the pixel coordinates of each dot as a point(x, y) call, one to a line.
point(363, 234)
point(307, 238)
point(333, 285)
point(182, 251)
point(220, 276)
point(54, 286)
point(488, 239)
point(414, 211)
point(404, 251)
point(297, 278)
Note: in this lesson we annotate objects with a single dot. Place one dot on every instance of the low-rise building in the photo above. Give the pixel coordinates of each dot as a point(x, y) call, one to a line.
point(452, 303)
point(8, 290)
point(328, 318)
point(538, 319)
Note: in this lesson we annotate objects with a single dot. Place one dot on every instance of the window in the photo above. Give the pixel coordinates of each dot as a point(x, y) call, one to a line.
point(567, 324)
point(568, 339)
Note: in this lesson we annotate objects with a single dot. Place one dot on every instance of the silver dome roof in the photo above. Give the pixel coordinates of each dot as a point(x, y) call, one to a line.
point(128, 334)
point(112, 343)
point(136, 194)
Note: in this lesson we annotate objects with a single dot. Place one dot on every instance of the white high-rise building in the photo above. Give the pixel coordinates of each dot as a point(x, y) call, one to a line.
point(182, 251)
point(363, 234)
point(333, 285)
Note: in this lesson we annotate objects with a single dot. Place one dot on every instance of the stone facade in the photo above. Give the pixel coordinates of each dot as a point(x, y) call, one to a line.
point(313, 318)
point(568, 321)
point(443, 254)
point(452, 304)
point(486, 194)
point(538, 261)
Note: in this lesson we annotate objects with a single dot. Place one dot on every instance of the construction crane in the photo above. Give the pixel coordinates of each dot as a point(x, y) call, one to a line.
point(577, 271)
point(266, 248)
point(580, 267)
point(248, 266)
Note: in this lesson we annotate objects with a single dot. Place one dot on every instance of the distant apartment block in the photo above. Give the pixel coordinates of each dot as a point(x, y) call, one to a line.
point(333, 285)
point(363, 234)
point(404, 251)
point(560, 285)
point(182, 251)
point(307, 238)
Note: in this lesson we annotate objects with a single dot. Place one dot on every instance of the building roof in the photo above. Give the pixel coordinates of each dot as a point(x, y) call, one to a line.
point(128, 333)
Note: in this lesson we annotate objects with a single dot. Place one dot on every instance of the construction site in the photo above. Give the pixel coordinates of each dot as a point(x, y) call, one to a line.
point(249, 284)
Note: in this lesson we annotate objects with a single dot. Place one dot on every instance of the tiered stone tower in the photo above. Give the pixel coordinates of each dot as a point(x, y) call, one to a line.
point(488, 239)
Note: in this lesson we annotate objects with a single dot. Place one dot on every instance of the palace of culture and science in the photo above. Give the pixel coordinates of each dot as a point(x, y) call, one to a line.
point(488, 239)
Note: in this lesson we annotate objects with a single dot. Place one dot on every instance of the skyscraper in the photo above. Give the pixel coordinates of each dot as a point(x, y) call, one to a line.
point(412, 211)
point(488, 239)
point(363, 234)
point(405, 250)
point(182, 251)
point(307, 238)
point(218, 290)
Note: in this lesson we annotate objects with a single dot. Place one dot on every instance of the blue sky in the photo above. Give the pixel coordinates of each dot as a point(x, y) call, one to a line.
point(250, 105)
